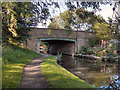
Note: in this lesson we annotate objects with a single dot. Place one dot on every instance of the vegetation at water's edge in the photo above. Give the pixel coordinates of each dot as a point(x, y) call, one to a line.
point(14, 59)
point(59, 77)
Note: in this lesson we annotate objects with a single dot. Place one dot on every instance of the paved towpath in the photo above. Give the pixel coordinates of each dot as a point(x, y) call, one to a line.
point(32, 76)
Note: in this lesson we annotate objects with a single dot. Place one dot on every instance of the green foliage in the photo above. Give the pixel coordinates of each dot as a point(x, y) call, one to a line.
point(55, 23)
point(114, 29)
point(93, 41)
point(102, 31)
point(111, 58)
point(67, 19)
point(14, 59)
point(89, 50)
point(71, 20)
point(86, 50)
point(99, 55)
point(110, 52)
point(82, 52)
point(59, 77)
point(17, 18)
point(12, 54)
point(113, 45)
point(59, 57)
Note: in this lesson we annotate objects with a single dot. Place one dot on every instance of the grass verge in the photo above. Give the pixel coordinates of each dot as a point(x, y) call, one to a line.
point(59, 77)
point(13, 62)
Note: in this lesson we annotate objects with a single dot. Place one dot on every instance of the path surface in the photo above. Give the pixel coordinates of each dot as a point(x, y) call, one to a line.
point(32, 76)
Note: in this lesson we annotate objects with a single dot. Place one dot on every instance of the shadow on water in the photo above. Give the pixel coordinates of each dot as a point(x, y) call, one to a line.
point(97, 73)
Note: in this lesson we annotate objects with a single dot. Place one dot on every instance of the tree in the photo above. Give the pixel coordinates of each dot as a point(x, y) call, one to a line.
point(55, 23)
point(102, 31)
point(72, 20)
point(17, 18)
point(17, 15)
point(114, 29)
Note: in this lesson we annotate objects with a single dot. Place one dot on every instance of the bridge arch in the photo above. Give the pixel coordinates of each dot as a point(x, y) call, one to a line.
point(62, 45)
point(41, 34)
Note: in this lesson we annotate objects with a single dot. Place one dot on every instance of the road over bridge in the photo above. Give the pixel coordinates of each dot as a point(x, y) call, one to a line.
point(58, 40)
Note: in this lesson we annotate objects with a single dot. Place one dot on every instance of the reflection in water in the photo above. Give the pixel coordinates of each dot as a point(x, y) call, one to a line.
point(92, 71)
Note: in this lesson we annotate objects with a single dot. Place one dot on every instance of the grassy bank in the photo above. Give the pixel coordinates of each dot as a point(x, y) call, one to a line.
point(59, 77)
point(13, 62)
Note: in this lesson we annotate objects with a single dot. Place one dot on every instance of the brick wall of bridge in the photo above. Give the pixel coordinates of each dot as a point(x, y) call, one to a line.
point(37, 33)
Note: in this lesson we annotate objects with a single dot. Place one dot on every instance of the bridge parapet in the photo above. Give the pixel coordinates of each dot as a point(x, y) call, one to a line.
point(42, 32)
point(37, 34)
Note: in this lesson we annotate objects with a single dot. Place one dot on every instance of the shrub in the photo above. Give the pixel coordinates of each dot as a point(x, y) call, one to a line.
point(82, 52)
point(86, 50)
point(111, 58)
point(89, 50)
point(59, 57)
point(99, 55)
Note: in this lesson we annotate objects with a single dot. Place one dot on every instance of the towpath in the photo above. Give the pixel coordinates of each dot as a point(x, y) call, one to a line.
point(32, 75)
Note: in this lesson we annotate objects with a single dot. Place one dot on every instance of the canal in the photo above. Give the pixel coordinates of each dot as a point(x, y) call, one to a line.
point(95, 72)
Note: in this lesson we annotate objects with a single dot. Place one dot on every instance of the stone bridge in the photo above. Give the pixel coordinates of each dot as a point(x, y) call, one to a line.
point(58, 40)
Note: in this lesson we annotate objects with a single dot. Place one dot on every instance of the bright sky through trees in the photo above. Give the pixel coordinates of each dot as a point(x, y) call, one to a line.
point(106, 11)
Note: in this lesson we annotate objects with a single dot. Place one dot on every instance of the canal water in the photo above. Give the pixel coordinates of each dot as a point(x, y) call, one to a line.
point(95, 72)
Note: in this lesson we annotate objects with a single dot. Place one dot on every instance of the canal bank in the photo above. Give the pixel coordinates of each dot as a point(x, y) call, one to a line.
point(116, 58)
point(58, 77)
point(93, 71)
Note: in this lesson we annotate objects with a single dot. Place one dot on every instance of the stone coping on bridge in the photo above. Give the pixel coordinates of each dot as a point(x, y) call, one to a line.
point(64, 39)
point(59, 29)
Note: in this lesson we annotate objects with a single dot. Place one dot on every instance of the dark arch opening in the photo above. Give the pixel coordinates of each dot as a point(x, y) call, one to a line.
point(61, 46)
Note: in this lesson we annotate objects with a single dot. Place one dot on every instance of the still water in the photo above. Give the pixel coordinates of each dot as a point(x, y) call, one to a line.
point(94, 72)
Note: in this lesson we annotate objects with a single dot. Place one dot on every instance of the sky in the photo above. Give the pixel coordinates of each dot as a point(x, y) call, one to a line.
point(106, 11)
